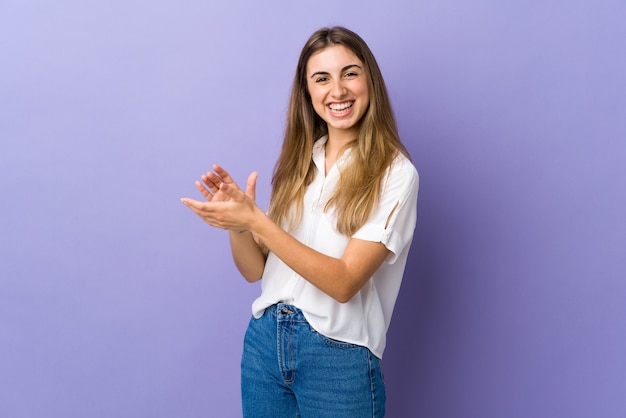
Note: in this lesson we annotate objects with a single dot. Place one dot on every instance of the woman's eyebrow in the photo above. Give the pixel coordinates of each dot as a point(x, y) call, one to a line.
point(346, 68)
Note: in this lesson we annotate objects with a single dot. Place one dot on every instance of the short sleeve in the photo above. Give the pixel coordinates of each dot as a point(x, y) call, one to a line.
point(393, 221)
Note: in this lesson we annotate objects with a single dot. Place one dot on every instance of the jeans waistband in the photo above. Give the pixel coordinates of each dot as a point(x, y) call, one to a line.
point(286, 312)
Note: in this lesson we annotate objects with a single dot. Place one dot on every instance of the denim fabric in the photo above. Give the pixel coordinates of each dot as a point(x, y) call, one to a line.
point(289, 370)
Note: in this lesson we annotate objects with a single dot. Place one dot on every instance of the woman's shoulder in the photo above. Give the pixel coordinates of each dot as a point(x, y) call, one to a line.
point(402, 166)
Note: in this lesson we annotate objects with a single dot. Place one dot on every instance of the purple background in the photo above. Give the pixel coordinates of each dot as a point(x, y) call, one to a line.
point(116, 301)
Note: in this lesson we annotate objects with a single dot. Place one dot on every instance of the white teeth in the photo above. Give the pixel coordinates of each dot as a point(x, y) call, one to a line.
point(340, 106)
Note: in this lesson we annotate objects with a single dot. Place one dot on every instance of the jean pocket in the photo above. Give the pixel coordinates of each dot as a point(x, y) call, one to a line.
point(331, 342)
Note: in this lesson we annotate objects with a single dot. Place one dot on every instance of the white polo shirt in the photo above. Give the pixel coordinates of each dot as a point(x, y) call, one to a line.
point(365, 318)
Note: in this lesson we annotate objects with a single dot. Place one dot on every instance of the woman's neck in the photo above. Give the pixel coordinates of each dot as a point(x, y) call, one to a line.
point(336, 145)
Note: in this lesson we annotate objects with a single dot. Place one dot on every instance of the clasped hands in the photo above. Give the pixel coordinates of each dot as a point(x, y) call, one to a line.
point(226, 206)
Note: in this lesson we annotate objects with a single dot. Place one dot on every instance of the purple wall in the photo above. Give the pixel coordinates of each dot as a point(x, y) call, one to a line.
point(115, 301)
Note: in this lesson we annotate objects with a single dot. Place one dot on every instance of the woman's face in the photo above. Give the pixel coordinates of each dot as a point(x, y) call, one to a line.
point(337, 83)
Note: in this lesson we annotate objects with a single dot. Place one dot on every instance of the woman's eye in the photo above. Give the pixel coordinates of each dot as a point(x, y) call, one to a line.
point(351, 74)
point(321, 79)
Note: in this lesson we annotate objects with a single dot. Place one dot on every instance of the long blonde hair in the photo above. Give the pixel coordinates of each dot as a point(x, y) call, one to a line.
point(372, 152)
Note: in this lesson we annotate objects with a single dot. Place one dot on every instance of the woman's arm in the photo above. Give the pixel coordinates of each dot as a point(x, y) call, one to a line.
point(340, 278)
point(247, 254)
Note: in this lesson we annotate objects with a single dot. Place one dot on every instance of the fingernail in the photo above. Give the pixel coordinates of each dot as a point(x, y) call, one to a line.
point(184, 201)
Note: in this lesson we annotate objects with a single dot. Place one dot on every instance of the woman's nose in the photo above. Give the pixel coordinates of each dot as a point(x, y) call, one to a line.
point(338, 89)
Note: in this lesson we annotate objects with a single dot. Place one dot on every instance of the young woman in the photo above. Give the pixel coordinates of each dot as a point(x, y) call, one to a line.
point(332, 248)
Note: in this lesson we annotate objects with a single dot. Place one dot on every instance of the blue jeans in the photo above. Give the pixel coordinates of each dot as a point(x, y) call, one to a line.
point(289, 370)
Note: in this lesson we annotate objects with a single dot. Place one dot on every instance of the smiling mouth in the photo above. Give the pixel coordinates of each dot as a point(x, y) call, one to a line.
point(340, 107)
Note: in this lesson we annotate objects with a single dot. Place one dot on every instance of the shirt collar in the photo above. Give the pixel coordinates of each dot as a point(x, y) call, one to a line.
point(319, 155)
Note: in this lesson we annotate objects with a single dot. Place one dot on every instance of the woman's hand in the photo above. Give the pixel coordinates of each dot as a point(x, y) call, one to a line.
point(211, 182)
point(227, 206)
